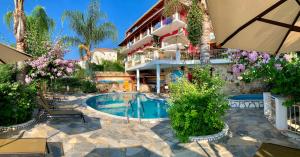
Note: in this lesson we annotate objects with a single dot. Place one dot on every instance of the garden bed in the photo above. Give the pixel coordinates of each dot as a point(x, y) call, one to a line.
point(211, 138)
point(9, 130)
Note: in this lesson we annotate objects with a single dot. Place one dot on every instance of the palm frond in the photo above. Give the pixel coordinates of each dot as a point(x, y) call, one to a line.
point(8, 19)
point(76, 21)
point(74, 41)
point(89, 26)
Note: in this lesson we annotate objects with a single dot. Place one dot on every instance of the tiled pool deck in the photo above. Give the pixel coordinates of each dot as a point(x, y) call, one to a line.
point(106, 136)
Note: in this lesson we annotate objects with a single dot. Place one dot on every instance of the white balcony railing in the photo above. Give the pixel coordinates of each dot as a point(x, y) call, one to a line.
point(153, 56)
point(168, 24)
point(138, 41)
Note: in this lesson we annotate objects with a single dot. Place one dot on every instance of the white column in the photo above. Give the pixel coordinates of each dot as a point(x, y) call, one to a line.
point(157, 78)
point(267, 103)
point(177, 54)
point(138, 80)
point(177, 16)
point(281, 114)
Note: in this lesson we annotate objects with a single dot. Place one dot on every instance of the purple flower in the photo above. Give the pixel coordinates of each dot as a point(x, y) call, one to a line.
point(253, 56)
point(59, 74)
point(69, 70)
point(244, 53)
point(57, 61)
point(241, 67)
point(28, 79)
point(278, 66)
point(70, 65)
point(288, 57)
point(266, 58)
point(236, 69)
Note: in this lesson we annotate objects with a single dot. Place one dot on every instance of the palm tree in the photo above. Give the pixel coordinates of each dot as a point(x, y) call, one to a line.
point(37, 33)
point(88, 28)
point(19, 21)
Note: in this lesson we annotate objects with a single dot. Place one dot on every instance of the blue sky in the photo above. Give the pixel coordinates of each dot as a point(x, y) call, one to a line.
point(123, 13)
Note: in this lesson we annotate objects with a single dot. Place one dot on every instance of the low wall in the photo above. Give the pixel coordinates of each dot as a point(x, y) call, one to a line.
point(114, 81)
point(232, 85)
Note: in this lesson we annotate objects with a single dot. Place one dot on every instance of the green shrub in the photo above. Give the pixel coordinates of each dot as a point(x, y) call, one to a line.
point(8, 73)
point(16, 102)
point(74, 84)
point(88, 87)
point(96, 67)
point(197, 108)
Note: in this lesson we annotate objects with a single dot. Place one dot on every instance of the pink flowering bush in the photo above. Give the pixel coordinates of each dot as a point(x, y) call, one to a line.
point(50, 66)
point(247, 59)
point(280, 73)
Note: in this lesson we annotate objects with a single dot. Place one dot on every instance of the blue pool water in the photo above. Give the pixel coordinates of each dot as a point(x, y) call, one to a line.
point(247, 97)
point(129, 105)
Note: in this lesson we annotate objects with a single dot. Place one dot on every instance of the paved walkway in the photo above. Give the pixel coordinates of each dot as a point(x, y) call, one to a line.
point(106, 136)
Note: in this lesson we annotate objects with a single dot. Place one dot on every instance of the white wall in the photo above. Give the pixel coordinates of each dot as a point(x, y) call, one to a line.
point(98, 56)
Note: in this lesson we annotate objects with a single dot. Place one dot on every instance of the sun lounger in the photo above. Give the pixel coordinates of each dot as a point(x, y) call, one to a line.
point(23, 147)
point(46, 102)
point(60, 113)
point(274, 150)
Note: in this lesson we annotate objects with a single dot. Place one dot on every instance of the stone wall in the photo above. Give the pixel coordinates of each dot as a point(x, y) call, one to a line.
point(232, 85)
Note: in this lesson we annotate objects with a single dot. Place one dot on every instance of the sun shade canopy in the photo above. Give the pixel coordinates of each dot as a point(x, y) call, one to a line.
point(263, 25)
point(9, 55)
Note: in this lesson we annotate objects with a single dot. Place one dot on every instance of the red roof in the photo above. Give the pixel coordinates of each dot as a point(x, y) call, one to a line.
point(103, 49)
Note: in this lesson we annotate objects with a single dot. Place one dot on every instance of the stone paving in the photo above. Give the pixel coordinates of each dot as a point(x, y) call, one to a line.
point(106, 136)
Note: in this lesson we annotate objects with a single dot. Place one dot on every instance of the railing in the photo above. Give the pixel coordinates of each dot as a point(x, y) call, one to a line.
point(168, 21)
point(144, 34)
point(273, 111)
point(157, 26)
point(151, 56)
point(218, 54)
point(293, 119)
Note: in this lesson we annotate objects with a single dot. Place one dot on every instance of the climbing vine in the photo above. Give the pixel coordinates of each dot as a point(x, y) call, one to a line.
point(194, 24)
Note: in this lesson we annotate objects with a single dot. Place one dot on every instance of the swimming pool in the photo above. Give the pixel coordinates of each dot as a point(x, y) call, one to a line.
point(129, 105)
point(247, 97)
point(246, 101)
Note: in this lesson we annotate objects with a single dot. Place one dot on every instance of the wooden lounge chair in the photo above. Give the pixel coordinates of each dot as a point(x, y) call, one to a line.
point(60, 113)
point(274, 150)
point(46, 102)
point(23, 147)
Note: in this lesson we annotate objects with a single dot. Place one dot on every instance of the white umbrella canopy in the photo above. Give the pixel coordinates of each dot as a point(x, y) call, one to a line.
point(9, 55)
point(263, 25)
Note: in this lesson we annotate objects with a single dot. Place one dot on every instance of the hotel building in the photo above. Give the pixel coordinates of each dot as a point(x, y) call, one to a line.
point(158, 50)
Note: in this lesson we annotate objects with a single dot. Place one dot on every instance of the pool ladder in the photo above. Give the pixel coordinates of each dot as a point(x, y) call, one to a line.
point(130, 103)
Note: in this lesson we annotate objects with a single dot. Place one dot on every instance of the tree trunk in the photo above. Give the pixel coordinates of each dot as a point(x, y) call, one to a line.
point(19, 24)
point(207, 29)
point(87, 50)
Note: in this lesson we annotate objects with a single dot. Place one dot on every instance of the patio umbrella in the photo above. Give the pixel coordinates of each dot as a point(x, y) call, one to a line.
point(263, 25)
point(9, 55)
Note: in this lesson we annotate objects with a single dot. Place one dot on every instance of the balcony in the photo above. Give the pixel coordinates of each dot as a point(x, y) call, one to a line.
point(168, 25)
point(138, 41)
point(165, 56)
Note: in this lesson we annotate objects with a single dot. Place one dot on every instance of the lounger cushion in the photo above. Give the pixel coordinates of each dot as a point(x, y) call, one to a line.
point(273, 150)
point(23, 146)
